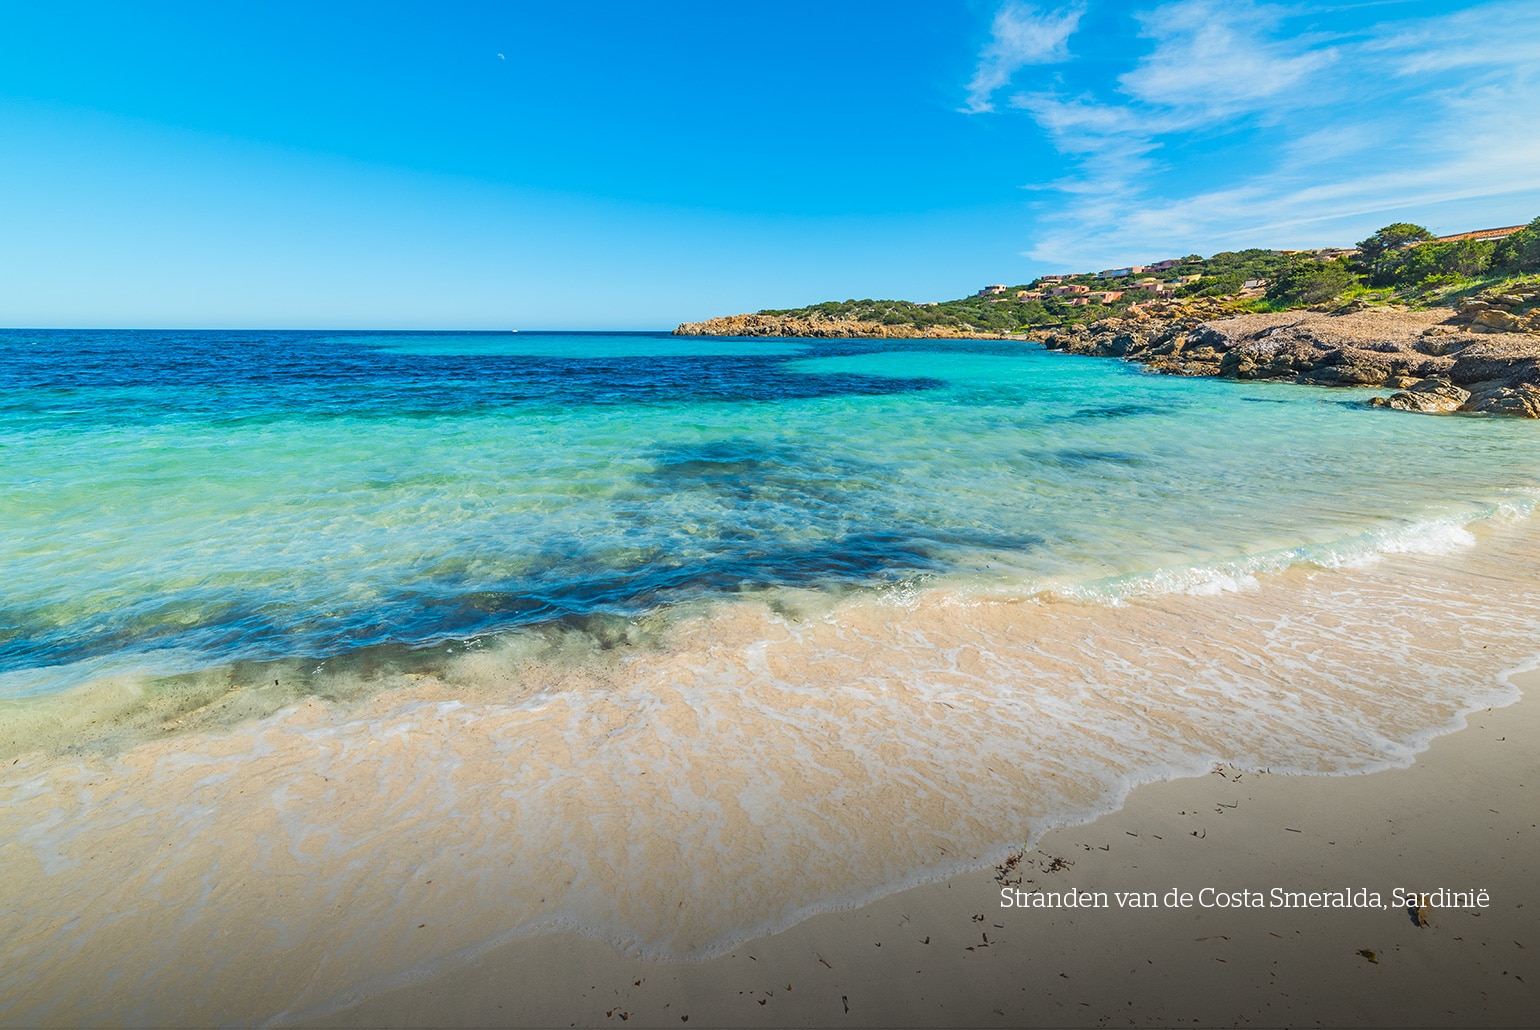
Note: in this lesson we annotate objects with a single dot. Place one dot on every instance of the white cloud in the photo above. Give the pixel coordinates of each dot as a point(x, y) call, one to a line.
point(1495, 34)
point(1214, 56)
point(1112, 144)
point(1209, 64)
point(1406, 119)
point(1022, 35)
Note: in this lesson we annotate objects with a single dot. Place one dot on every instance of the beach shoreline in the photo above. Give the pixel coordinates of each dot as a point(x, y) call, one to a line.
point(737, 821)
point(947, 953)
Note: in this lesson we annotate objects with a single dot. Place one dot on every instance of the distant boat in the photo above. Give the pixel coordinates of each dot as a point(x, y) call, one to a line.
point(513, 330)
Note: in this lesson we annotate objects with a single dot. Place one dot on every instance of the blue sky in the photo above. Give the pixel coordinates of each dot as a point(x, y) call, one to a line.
point(631, 166)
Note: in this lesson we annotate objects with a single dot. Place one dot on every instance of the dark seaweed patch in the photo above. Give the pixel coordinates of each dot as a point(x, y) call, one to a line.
point(1073, 458)
point(1114, 411)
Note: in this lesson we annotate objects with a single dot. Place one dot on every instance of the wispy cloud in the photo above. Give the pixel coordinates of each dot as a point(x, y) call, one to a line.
point(1494, 35)
point(1022, 35)
point(1211, 63)
point(1295, 136)
point(1217, 56)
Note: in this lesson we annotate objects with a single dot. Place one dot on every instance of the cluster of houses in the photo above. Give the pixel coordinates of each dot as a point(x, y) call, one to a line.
point(1077, 294)
point(1323, 255)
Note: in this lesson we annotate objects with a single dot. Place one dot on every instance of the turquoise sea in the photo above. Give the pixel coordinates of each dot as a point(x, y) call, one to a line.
point(178, 500)
point(328, 660)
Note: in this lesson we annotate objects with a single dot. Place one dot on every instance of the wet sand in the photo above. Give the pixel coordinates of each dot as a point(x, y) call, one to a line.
point(1462, 816)
point(725, 827)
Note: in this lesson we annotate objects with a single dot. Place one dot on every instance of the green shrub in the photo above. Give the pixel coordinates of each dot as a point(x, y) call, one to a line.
point(1311, 282)
point(1519, 252)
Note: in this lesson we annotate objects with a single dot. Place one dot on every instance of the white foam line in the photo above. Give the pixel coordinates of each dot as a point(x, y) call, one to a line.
point(1438, 536)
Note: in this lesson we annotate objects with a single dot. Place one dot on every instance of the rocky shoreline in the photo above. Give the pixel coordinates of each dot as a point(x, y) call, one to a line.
point(1482, 356)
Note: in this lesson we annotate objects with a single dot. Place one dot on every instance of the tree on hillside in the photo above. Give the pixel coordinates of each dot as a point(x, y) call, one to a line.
point(1390, 238)
point(1307, 282)
point(1519, 252)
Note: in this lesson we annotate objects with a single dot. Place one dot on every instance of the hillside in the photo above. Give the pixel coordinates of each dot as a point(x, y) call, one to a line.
point(1401, 264)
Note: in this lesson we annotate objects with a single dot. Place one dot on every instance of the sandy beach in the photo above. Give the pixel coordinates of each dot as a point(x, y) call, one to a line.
point(1462, 817)
point(775, 821)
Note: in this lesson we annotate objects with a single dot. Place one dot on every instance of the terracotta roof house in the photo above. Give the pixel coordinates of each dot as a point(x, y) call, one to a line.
point(990, 291)
point(1481, 234)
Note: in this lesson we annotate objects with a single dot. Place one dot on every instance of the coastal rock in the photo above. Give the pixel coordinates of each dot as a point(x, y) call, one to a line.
point(1503, 321)
point(1207, 336)
point(1429, 395)
point(1124, 344)
point(1437, 387)
point(1237, 364)
point(1406, 401)
point(1350, 374)
point(1522, 400)
point(1496, 364)
point(1437, 342)
point(1501, 312)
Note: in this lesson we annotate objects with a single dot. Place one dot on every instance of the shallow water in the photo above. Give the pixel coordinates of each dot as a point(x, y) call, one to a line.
point(672, 642)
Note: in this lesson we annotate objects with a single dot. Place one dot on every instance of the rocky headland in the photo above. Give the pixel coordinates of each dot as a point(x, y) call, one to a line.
point(1482, 356)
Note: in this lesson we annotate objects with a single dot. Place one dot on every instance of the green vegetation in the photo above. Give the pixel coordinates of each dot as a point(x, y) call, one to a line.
point(1226, 272)
point(1310, 282)
point(1400, 263)
point(1391, 238)
point(1520, 252)
point(1430, 273)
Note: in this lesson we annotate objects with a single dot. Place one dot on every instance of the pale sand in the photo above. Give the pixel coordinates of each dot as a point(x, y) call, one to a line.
point(758, 769)
point(1464, 815)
